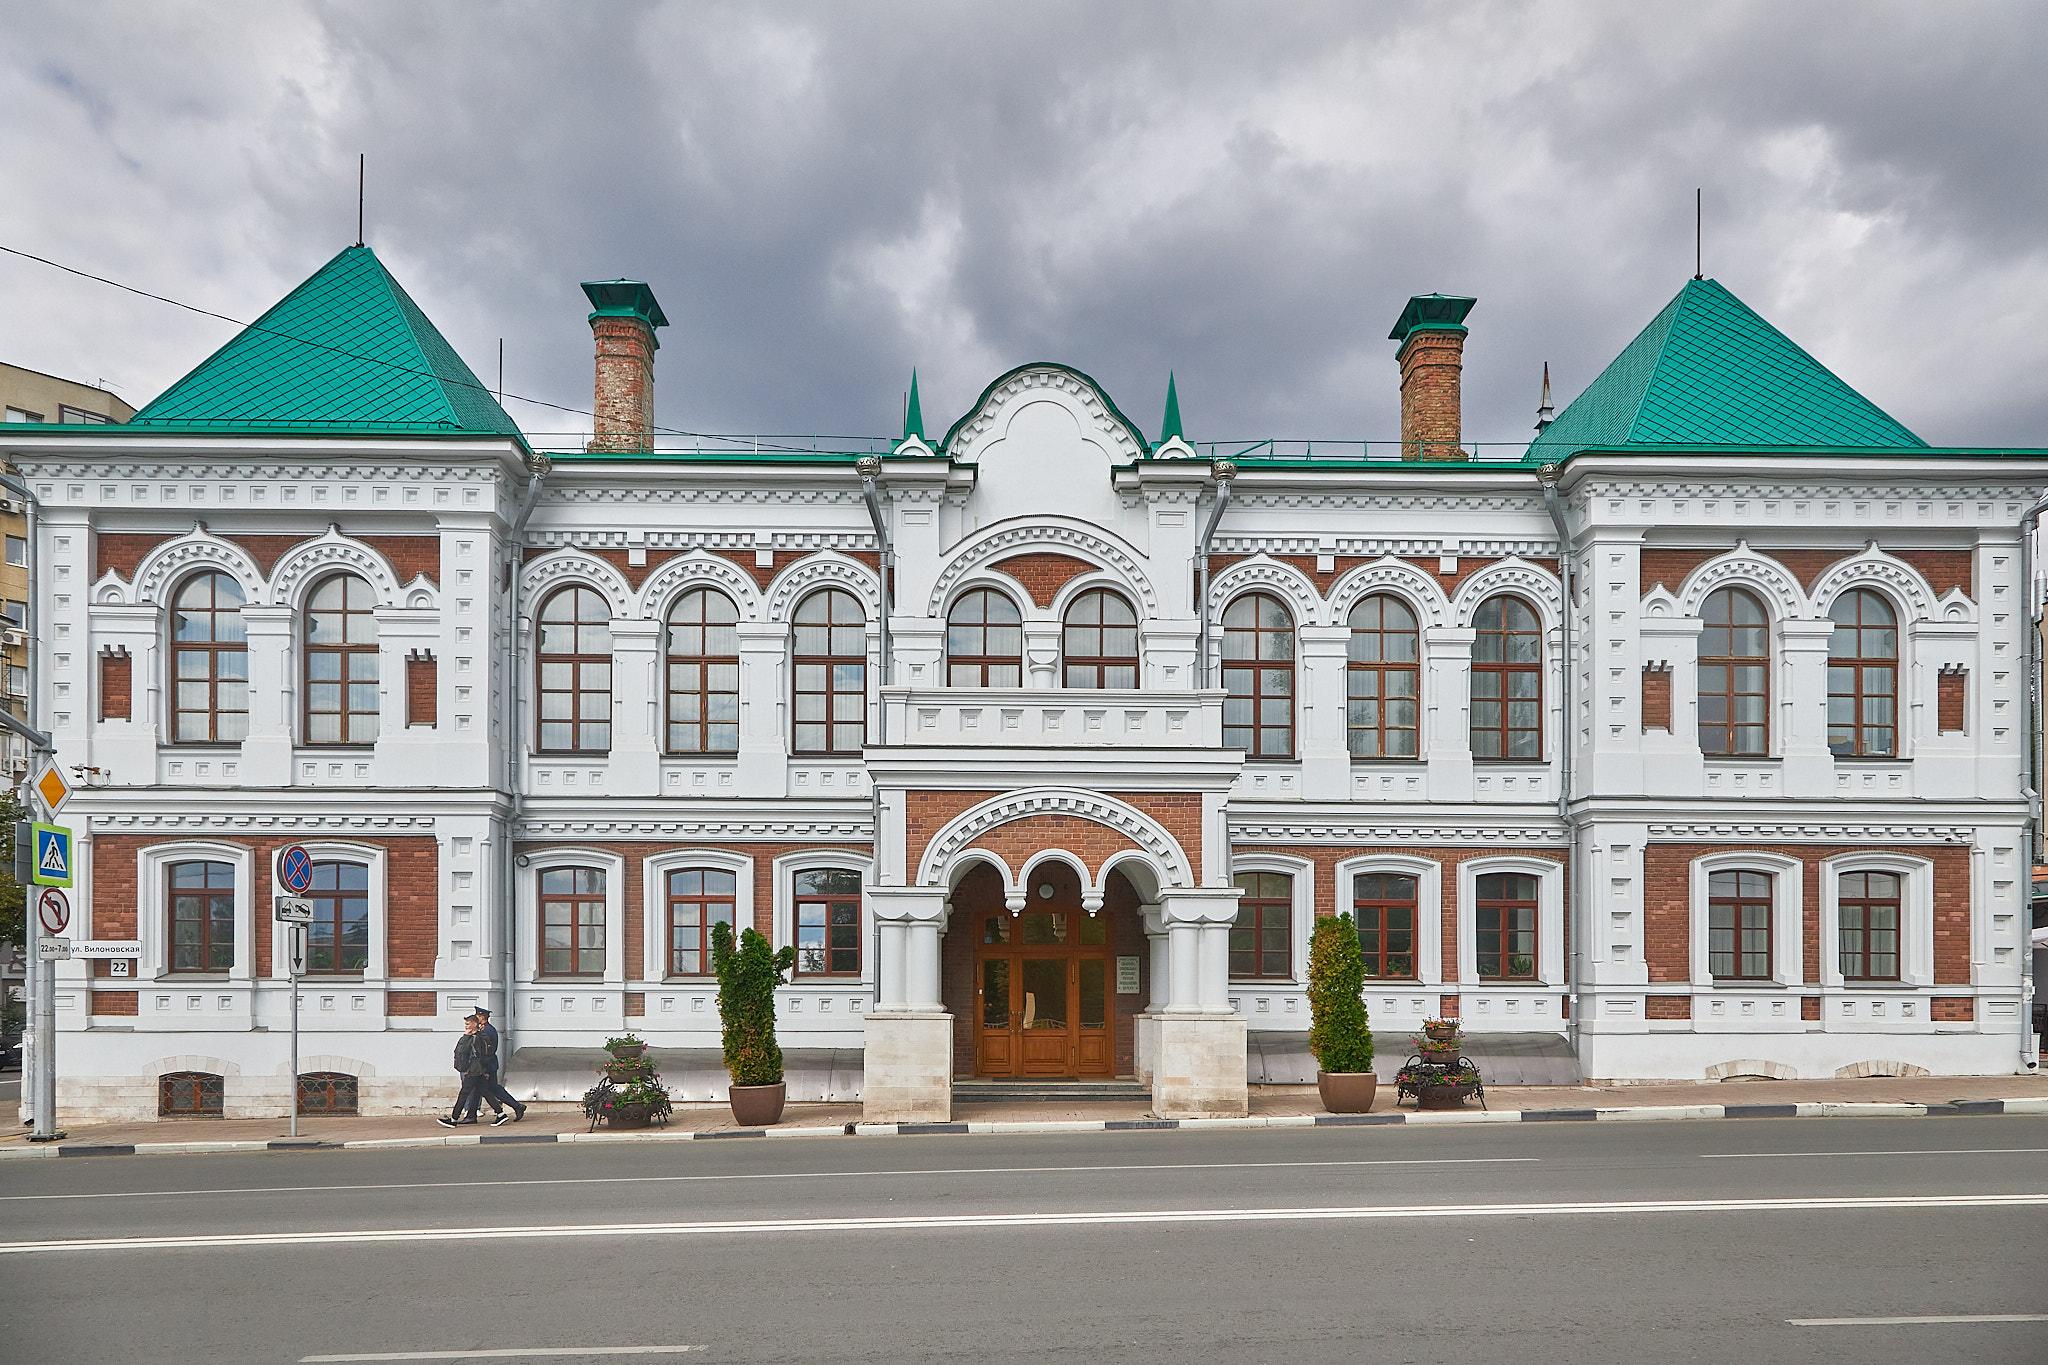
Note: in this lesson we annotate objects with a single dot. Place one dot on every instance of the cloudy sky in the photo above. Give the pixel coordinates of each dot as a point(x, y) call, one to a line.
point(824, 196)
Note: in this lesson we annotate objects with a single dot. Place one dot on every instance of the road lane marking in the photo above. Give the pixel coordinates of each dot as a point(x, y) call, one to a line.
point(970, 1221)
point(1941, 1320)
point(1902, 1151)
point(775, 1175)
point(509, 1353)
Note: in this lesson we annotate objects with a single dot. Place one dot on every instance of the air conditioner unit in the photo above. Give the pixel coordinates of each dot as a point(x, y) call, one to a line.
point(14, 639)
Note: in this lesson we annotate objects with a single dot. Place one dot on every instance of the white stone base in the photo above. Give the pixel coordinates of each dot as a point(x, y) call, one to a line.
point(908, 1068)
point(1199, 1066)
point(1147, 1041)
point(1649, 1057)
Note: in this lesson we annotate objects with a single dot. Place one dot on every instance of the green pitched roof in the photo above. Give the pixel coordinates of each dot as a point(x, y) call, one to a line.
point(1709, 371)
point(348, 350)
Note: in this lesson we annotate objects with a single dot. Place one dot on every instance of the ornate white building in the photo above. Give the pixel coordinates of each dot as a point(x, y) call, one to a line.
point(1686, 742)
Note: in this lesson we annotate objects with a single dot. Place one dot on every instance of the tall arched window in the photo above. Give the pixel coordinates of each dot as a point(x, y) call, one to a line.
point(341, 662)
point(1863, 676)
point(1735, 675)
point(984, 641)
point(575, 660)
point(1258, 673)
point(1385, 679)
point(1507, 681)
point(703, 674)
point(209, 661)
point(1099, 640)
point(830, 679)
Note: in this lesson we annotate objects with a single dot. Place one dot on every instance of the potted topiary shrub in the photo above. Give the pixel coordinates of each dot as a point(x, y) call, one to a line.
point(1339, 1032)
point(747, 978)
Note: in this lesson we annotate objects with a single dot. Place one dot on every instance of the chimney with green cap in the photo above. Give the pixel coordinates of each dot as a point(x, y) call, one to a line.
point(623, 317)
point(1431, 331)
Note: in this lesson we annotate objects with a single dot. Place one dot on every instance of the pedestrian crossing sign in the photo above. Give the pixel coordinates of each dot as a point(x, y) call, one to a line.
point(53, 855)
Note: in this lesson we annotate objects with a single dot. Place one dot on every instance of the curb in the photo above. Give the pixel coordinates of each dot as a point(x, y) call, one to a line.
point(1397, 1118)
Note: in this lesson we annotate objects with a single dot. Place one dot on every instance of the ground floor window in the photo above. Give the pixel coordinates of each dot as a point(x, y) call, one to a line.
point(828, 922)
point(1869, 909)
point(188, 1094)
point(1259, 944)
point(1384, 907)
point(327, 1092)
point(1507, 926)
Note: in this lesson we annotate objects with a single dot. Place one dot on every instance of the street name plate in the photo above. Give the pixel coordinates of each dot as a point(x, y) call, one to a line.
point(107, 948)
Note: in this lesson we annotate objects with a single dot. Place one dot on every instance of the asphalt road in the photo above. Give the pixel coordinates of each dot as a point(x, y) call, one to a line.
point(1581, 1242)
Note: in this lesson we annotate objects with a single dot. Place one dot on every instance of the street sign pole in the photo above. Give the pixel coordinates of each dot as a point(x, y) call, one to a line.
point(295, 875)
point(45, 974)
point(295, 960)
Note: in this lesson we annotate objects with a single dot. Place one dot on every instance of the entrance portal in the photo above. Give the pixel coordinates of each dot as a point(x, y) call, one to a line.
point(1045, 1000)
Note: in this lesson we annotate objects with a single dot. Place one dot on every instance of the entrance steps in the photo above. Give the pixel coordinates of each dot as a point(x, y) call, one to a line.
point(1047, 1091)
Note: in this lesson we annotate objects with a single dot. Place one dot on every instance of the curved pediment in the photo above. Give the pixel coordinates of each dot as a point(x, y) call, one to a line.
point(992, 420)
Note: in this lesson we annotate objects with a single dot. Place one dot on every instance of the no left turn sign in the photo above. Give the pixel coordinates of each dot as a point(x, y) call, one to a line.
point(53, 911)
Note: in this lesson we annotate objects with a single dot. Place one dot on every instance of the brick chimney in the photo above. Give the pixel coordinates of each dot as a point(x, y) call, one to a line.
point(1432, 359)
point(622, 321)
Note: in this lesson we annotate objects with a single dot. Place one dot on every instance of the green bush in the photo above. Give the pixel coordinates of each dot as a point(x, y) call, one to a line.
point(1339, 1033)
point(747, 978)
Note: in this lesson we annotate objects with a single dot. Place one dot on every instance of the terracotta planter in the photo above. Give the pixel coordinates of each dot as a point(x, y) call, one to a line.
point(1438, 1052)
point(627, 1052)
point(624, 1069)
point(1441, 1033)
point(1347, 1092)
point(757, 1106)
point(1442, 1096)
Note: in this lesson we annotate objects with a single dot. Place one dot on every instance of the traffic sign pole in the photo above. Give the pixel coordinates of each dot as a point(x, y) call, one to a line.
point(295, 964)
point(295, 876)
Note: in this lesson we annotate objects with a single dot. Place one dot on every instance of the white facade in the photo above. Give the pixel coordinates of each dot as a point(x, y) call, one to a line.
point(1042, 493)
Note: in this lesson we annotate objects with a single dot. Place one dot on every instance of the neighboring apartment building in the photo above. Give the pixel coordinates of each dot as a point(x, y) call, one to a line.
point(1687, 737)
point(29, 396)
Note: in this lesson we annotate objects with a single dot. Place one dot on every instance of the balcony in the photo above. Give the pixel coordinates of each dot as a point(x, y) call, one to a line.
point(1036, 718)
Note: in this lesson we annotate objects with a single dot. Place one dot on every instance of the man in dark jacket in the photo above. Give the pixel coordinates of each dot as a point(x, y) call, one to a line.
point(470, 1067)
point(488, 1088)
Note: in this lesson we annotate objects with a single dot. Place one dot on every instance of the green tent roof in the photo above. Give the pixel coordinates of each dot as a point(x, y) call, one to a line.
point(348, 350)
point(1709, 371)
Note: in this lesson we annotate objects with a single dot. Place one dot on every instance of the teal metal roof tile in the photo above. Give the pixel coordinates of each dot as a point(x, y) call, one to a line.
point(1709, 371)
point(348, 350)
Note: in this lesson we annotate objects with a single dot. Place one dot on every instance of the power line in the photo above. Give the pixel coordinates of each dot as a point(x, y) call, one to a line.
point(367, 359)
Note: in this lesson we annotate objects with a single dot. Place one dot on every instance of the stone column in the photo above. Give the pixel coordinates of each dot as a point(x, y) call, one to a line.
point(273, 697)
point(1159, 979)
point(1447, 697)
point(1802, 713)
point(763, 702)
point(1325, 742)
point(639, 708)
point(1199, 1063)
point(908, 1035)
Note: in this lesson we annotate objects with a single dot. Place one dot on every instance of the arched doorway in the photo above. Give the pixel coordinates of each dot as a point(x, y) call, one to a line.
point(1044, 981)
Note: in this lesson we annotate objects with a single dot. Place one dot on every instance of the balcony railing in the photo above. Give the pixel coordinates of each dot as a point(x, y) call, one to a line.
point(1144, 718)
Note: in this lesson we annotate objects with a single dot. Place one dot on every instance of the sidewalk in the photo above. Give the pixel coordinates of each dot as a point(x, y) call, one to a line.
point(1271, 1106)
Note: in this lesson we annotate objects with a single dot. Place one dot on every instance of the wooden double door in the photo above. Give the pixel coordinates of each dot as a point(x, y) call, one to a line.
point(1045, 993)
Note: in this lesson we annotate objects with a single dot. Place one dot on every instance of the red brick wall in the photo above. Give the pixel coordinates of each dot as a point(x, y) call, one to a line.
point(422, 691)
point(412, 893)
point(623, 391)
point(1431, 403)
point(411, 556)
point(1657, 699)
point(1809, 1008)
point(1670, 1007)
point(1943, 569)
point(926, 813)
point(1667, 891)
point(1447, 859)
point(409, 1004)
point(114, 1004)
point(1343, 564)
point(1953, 1009)
point(632, 898)
point(1951, 692)
point(117, 686)
point(121, 552)
point(1043, 574)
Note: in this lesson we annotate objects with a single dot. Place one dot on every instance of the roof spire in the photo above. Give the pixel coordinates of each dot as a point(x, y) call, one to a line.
point(1545, 414)
point(1169, 425)
point(913, 411)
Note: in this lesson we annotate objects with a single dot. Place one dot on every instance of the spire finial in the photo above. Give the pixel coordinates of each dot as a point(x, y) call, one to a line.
point(1545, 414)
point(1169, 426)
point(913, 411)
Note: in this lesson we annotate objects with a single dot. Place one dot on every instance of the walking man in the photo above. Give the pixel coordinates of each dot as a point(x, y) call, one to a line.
point(469, 1066)
point(488, 1088)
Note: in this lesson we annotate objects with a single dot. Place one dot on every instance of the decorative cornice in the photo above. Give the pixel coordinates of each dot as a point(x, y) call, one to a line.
point(1141, 829)
point(1062, 537)
point(1815, 832)
point(965, 440)
point(699, 831)
point(1418, 835)
point(204, 821)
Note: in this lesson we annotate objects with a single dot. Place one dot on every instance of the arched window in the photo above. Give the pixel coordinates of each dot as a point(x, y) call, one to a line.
point(830, 679)
point(1863, 676)
point(1258, 673)
point(1735, 675)
point(1385, 679)
point(209, 661)
point(200, 900)
point(1868, 906)
point(1507, 681)
point(572, 921)
point(1099, 640)
point(575, 660)
point(1739, 925)
point(1506, 926)
point(338, 939)
point(1384, 907)
point(1261, 936)
point(984, 641)
point(703, 674)
point(341, 662)
point(327, 1092)
point(698, 897)
point(189, 1094)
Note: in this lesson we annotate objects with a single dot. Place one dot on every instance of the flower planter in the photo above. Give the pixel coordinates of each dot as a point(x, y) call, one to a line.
point(1444, 1031)
point(626, 1052)
point(1440, 1054)
point(1347, 1092)
point(623, 1069)
point(626, 1116)
point(757, 1106)
point(1442, 1096)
